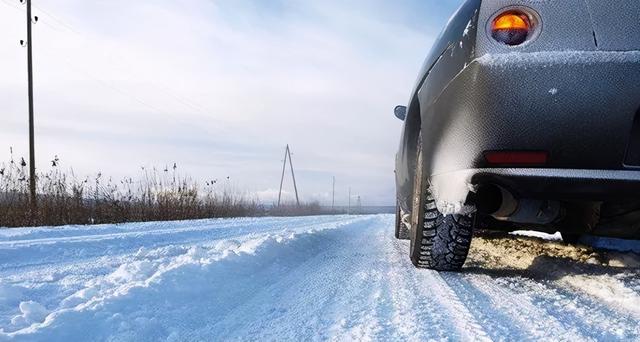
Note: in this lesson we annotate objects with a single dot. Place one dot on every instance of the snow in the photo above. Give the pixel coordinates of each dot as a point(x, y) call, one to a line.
point(309, 278)
point(549, 58)
point(540, 235)
point(468, 28)
point(30, 312)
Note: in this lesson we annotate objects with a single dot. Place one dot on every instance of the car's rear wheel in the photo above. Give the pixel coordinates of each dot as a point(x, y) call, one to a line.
point(438, 242)
point(580, 218)
point(570, 238)
point(402, 232)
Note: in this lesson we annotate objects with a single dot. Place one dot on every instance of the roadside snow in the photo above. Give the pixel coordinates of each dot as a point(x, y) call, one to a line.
point(540, 235)
point(30, 312)
point(312, 278)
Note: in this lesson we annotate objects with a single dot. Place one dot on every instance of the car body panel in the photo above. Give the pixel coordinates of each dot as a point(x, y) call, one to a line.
point(615, 24)
point(454, 49)
point(567, 93)
point(564, 25)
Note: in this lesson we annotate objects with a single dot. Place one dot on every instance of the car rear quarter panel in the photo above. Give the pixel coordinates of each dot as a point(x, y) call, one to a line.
point(453, 50)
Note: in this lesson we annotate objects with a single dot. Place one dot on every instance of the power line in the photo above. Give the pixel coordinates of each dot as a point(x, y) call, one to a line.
point(59, 21)
point(22, 10)
point(112, 87)
point(7, 3)
point(163, 88)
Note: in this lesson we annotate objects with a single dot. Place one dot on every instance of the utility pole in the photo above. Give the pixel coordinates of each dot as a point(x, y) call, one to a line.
point(293, 175)
point(284, 166)
point(287, 154)
point(349, 207)
point(333, 195)
point(32, 154)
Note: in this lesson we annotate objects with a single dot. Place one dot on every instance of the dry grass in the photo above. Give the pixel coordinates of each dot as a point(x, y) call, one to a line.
point(158, 195)
point(292, 209)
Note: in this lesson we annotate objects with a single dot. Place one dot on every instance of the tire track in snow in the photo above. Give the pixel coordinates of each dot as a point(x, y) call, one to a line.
point(348, 279)
point(581, 311)
point(326, 297)
point(405, 306)
point(429, 317)
point(524, 312)
point(467, 327)
point(439, 303)
point(498, 325)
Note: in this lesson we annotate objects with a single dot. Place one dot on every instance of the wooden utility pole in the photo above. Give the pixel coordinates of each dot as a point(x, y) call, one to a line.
point(32, 153)
point(333, 195)
point(293, 175)
point(284, 166)
point(287, 154)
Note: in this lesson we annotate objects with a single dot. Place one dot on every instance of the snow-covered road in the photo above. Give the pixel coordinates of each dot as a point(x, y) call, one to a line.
point(314, 278)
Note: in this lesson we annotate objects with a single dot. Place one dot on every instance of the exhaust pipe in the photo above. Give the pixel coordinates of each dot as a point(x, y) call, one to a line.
point(501, 204)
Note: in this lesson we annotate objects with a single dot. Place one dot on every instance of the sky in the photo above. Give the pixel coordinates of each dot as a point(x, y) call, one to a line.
point(219, 87)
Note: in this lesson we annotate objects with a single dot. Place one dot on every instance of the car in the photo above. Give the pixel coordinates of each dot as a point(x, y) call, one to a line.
point(525, 115)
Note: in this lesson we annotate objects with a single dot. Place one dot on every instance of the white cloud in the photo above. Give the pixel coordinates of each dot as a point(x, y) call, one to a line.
point(219, 87)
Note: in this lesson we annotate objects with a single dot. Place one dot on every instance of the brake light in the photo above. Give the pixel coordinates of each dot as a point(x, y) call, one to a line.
point(511, 28)
point(516, 157)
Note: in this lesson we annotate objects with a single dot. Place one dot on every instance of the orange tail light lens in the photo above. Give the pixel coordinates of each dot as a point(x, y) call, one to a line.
point(511, 28)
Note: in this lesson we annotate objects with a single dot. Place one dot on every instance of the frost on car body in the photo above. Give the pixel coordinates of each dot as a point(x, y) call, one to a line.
point(533, 122)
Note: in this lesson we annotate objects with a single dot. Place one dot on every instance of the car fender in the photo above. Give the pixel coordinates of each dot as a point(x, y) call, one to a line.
point(452, 52)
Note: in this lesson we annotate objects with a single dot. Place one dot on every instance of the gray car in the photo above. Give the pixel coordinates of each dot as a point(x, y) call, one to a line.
point(525, 116)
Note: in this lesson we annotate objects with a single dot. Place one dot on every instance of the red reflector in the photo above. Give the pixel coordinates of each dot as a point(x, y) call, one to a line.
point(516, 158)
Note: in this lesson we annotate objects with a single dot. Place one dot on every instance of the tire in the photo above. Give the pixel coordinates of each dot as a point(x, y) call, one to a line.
point(620, 220)
point(570, 239)
point(580, 219)
point(438, 242)
point(402, 233)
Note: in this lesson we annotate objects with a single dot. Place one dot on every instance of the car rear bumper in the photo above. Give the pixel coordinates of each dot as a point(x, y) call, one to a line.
point(452, 188)
point(579, 107)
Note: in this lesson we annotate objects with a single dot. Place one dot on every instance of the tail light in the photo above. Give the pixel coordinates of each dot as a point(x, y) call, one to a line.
point(520, 158)
point(512, 28)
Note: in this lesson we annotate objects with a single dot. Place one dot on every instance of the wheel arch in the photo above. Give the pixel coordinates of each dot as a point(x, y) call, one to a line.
point(406, 163)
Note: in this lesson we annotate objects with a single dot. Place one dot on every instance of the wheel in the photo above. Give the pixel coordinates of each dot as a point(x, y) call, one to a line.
point(570, 238)
point(402, 233)
point(620, 220)
point(438, 242)
point(579, 219)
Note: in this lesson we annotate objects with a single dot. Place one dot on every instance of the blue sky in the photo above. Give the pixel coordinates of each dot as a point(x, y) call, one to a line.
point(220, 87)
